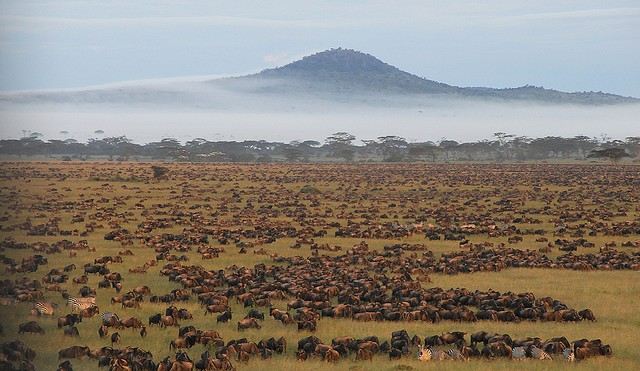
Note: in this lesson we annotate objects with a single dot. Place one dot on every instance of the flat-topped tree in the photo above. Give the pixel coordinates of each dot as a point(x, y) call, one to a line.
point(613, 154)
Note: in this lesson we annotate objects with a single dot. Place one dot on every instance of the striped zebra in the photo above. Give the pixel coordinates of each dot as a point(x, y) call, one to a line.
point(429, 354)
point(455, 355)
point(518, 353)
point(43, 308)
point(106, 316)
point(537, 353)
point(568, 354)
point(80, 304)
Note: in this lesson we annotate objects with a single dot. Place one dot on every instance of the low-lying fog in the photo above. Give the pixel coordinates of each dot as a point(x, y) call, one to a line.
point(147, 113)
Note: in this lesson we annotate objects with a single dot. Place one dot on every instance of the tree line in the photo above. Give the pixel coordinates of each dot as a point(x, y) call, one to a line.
point(338, 147)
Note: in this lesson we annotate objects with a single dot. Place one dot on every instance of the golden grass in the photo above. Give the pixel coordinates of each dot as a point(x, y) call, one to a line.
point(612, 295)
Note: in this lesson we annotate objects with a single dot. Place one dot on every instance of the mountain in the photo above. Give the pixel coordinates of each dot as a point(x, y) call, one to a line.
point(336, 75)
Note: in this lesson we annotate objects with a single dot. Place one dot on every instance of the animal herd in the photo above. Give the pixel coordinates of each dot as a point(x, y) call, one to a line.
point(243, 248)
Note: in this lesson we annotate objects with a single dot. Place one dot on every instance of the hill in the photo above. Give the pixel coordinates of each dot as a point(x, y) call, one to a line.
point(335, 75)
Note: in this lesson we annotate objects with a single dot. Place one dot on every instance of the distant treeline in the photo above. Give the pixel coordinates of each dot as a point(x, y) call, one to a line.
point(338, 147)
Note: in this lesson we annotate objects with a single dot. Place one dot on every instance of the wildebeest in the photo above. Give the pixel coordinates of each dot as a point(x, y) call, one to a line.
point(224, 317)
point(587, 314)
point(103, 331)
point(253, 313)
point(155, 319)
point(71, 331)
point(248, 323)
point(364, 355)
point(31, 326)
point(65, 366)
point(75, 351)
point(69, 320)
point(115, 338)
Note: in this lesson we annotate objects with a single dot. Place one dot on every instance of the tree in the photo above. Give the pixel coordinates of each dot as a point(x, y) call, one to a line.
point(447, 146)
point(392, 147)
point(613, 154)
point(292, 153)
point(340, 144)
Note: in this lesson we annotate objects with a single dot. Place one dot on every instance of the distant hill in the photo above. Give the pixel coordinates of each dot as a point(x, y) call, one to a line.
point(338, 75)
point(345, 70)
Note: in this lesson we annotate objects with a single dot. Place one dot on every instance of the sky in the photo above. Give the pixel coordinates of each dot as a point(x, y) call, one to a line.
point(566, 45)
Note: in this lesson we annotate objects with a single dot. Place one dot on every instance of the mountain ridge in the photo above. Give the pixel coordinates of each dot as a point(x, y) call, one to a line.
point(344, 76)
point(348, 68)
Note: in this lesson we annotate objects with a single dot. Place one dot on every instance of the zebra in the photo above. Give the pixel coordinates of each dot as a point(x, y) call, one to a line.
point(81, 303)
point(537, 353)
point(439, 355)
point(518, 353)
point(568, 354)
point(455, 355)
point(106, 316)
point(44, 308)
point(424, 354)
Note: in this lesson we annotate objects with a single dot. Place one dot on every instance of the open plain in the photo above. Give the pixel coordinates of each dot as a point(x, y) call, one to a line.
point(326, 251)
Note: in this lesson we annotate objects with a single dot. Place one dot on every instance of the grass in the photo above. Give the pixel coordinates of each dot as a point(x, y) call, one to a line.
point(431, 192)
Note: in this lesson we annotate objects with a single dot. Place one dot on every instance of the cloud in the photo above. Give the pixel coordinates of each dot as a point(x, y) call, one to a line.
point(273, 58)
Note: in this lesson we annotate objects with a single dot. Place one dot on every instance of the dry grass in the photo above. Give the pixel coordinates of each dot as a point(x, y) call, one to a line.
point(612, 295)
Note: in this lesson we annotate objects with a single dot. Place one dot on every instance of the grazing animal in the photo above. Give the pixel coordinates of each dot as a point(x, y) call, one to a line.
point(537, 353)
point(568, 354)
point(72, 331)
point(115, 338)
point(103, 331)
point(65, 366)
point(364, 355)
point(44, 309)
point(79, 304)
point(75, 351)
point(248, 323)
point(31, 326)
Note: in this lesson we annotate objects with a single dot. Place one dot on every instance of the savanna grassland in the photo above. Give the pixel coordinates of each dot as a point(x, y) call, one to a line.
point(300, 224)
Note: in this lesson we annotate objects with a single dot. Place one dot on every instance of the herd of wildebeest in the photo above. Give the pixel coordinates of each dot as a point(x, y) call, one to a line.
point(196, 229)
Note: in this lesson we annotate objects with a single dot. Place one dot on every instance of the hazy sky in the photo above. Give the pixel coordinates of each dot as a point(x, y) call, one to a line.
point(569, 45)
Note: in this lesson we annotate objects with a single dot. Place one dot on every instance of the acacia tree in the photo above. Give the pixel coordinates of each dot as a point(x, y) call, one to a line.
point(613, 154)
point(340, 144)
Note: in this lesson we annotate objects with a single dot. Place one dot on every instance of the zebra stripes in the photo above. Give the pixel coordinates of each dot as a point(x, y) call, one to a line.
point(518, 353)
point(537, 353)
point(80, 304)
point(43, 308)
point(568, 354)
point(106, 316)
point(431, 354)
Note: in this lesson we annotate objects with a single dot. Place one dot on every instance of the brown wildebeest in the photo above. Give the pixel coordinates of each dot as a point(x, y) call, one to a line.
point(587, 314)
point(168, 321)
point(75, 351)
point(248, 323)
point(364, 355)
point(331, 356)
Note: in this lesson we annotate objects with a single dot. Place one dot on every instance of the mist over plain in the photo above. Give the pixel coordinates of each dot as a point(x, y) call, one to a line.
point(281, 111)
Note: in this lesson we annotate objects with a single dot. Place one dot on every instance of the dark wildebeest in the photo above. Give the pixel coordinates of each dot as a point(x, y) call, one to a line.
point(224, 317)
point(75, 351)
point(587, 314)
point(69, 320)
point(253, 313)
point(103, 331)
point(115, 338)
point(65, 366)
point(156, 319)
point(32, 326)
point(72, 331)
